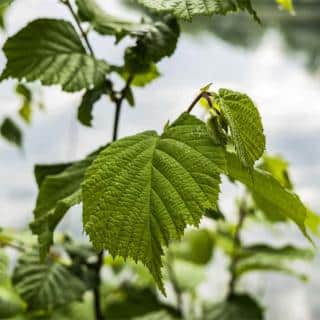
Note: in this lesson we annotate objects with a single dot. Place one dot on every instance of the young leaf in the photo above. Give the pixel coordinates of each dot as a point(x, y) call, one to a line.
point(187, 9)
point(245, 125)
point(25, 110)
point(86, 106)
point(58, 192)
point(11, 132)
point(278, 167)
point(140, 79)
point(287, 5)
point(45, 286)
point(141, 192)
point(196, 246)
point(50, 50)
point(273, 196)
point(237, 307)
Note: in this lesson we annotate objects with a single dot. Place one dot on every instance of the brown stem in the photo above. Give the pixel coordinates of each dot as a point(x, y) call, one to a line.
point(77, 20)
point(96, 290)
point(118, 102)
point(201, 95)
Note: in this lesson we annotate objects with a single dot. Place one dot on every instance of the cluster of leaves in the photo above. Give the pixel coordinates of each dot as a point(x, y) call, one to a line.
point(140, 193)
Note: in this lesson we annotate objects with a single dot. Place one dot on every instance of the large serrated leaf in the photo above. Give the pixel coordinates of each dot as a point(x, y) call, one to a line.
point(50, 50)
point(245, 125)
point(274, 196)
point(141, 192)
point(45, 286)
point(187, 9)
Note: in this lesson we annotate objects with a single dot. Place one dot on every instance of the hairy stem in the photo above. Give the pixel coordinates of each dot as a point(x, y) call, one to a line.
point(77, 20)
point(236, 246)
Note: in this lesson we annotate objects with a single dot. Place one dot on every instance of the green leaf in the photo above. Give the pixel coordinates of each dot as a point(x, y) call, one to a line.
point(4, 5)
point(58, 192)
point(278, 167)
point(25, 110)
point(156, 38)
point(140, 79)
point(196, 246)
point(261, 257)
point(188, 275)
point(313, 222)
point(284, 253)
point(45, 286)
point(245, 125)
point(11, 132)
point(10, 302)
point(50, 50)
point(287, 5)
point(129, 302)
point(187, 9)
point(159, 40)
point(274, 198)
point(237, 307)
point(264, 265)
point(87, 104)
point(141, 192)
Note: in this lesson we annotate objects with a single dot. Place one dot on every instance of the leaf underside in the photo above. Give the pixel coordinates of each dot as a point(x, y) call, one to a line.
point(187, 9)
point(141, 192)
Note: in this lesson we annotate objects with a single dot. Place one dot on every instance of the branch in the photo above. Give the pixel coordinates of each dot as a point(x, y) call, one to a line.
point(77, 20)
point(173, 279)
point(236, 246)
point(118, 101)
point(201, 95)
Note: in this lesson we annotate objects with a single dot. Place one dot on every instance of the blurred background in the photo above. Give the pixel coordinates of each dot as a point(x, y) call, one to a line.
point(276, 63)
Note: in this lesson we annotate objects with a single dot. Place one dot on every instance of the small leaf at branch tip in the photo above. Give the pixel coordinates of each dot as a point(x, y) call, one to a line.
point(206, 87)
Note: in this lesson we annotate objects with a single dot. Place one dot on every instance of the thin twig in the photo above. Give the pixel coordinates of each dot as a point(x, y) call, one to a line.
point(236, 246)
point(173, 279)
point(118, 102)
point(77, 20)
point(201, 95)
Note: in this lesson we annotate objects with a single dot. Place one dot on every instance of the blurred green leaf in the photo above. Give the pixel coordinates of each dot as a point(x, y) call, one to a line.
point(237, 307)
point(129, 302)
point(272, 196)
point(45, 286)
point(58, 192)
point(87, 104)
point(11, 132)
point(196, 246)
